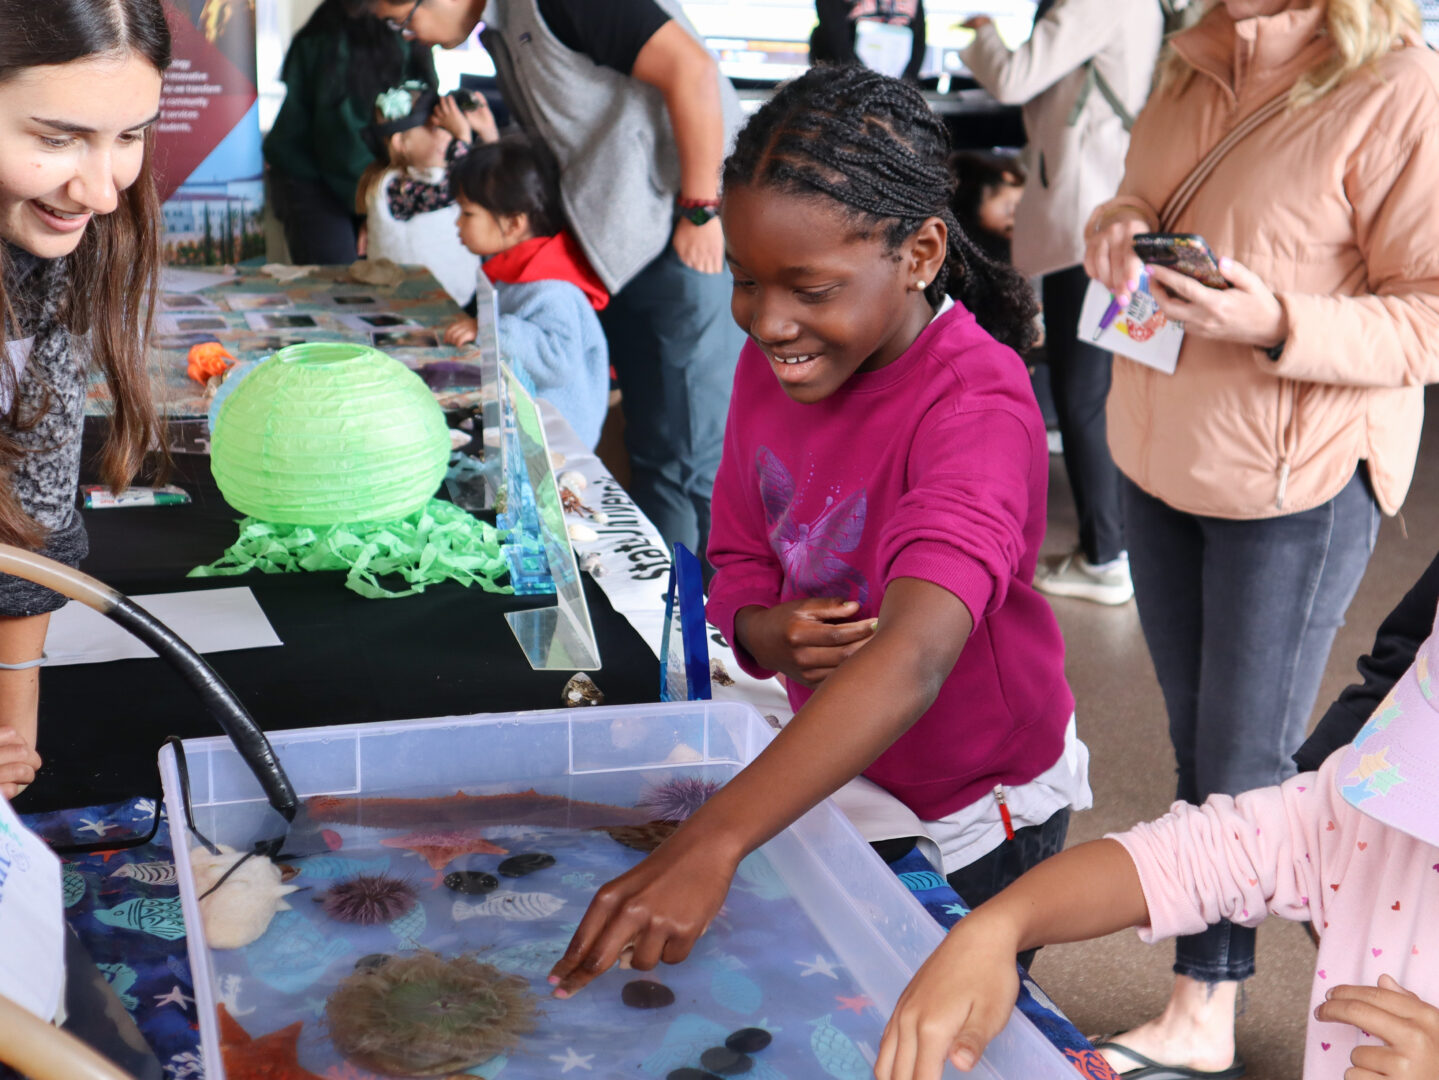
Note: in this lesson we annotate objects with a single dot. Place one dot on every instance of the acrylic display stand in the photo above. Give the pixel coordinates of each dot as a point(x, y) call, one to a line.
point(562, 636)
point(684, 646)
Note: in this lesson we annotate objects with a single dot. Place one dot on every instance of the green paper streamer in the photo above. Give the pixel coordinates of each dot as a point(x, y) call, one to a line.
point(439, 542)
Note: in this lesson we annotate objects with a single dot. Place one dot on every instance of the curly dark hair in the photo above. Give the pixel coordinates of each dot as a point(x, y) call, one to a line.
point(872, 144)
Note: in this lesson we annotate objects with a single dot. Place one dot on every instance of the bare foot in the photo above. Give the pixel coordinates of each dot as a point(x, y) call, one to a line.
point(1196, 1029)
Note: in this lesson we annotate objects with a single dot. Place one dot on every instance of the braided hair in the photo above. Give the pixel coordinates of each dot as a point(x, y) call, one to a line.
point(872, 144)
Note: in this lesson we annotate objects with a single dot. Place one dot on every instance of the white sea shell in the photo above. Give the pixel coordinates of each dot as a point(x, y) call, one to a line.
point(239, 911)
point(557, 459)
point(574, 480)
point(582, 534)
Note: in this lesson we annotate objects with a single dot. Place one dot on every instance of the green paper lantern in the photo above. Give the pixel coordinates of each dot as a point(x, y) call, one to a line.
point(329, 434)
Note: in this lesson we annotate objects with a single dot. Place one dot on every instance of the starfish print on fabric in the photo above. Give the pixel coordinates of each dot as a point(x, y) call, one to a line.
point(819, 966)
point(440, 847)
point(956, 909)
point(99, 828)
point(571, 1060)
point(176, 996)
point(854, 1004)
point(271, 1056)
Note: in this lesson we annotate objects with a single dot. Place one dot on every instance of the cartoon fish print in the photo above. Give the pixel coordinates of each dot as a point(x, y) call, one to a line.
point(329, 867)
point(158, 916)
point(919, 880)
point(121, 977)
point(687, 1037)
point(836, 1053)
point(408, 928)
point(736, 992)
point(294, 954)
point(149, 873)
point(810, 553)
point(529, 958)
point(579, 880)
point(519, 907)
point(229, 995)
point(760, 878)
point(73, 888)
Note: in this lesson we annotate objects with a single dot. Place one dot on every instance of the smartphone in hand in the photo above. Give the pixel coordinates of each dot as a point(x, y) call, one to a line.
point(1183, 252)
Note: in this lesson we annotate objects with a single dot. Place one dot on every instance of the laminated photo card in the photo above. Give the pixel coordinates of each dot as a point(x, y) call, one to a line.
point(1139, 331)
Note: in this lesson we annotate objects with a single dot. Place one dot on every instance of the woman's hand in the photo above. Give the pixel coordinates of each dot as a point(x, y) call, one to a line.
point(1247, 314)
point(660, 907)
point(447, 115)
point(1408, 1027)
point(804, 639)
point(955, 1004)
point(462, 331)
point(18, 763)
point(1109, 251)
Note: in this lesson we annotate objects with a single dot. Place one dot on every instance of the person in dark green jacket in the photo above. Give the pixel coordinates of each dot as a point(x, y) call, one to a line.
point(316, 152)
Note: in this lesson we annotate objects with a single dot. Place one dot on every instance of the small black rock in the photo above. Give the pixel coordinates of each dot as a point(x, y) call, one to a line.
point(688, 1073)
point(726, 1062)
point(749, 1040)
point(471, 882)
point(371, 962)
point(528, 863)
point(647, 994)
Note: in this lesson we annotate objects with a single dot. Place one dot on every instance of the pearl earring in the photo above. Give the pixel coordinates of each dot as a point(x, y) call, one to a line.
point(920, 285)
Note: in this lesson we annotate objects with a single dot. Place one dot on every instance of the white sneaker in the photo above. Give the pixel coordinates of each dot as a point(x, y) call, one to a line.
point(1074, 576)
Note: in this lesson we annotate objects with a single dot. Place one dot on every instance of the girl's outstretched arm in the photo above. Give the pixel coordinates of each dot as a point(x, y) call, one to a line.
point(662, 905)
point(962, 996)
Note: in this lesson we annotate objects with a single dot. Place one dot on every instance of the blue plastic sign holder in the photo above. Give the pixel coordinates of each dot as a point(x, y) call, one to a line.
point(684, 645)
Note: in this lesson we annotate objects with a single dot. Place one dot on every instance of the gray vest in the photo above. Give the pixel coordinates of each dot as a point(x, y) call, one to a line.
point(610, 133)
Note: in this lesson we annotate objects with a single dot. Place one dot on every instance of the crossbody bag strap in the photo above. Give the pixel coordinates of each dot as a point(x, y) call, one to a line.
point(1195, 180)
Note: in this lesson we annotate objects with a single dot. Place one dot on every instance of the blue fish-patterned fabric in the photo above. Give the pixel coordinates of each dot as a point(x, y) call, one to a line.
point(947, 909)
point(125, 906)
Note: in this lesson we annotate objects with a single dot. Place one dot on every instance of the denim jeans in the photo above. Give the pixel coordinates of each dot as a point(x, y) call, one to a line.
point(1239, 617)
point(1079, 375)
point(674, 345)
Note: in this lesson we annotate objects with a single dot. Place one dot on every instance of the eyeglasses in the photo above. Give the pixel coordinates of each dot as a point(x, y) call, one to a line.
point(404, 27)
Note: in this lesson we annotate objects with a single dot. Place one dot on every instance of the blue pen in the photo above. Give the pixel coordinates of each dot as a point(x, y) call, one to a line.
point(1107, 319)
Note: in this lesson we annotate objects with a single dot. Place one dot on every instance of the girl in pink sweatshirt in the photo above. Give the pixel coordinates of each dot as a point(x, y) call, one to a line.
point(1353, 848)
point(878, 512)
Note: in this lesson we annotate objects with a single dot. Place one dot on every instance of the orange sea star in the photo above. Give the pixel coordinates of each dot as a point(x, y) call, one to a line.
point(269, 1057)
point(440, 847)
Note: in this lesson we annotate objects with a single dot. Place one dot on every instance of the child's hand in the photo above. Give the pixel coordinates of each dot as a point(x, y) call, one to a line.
point(482, 121)
point(804, 639)
point(18, 763)
point(462, 331)
point(1408, 1026)
point(955, 1004)
point(447, 115)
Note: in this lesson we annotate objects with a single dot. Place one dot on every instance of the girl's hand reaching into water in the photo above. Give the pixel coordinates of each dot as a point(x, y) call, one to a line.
point(1406, 1024)
point(659, 907)
point(955, 1004)
point(804, 639)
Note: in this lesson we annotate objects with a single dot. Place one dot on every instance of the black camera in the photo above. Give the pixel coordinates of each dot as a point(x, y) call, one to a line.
point(465, 99)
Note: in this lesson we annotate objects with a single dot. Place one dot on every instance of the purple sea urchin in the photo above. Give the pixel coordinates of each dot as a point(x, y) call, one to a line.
point(422, 1015)
point(676, 800)
point(369, 899)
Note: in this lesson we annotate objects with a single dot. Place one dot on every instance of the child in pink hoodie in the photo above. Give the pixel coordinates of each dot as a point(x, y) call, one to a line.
point(1354, 848)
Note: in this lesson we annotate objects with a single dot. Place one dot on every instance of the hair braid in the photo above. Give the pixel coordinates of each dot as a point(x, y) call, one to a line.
point(873, 144)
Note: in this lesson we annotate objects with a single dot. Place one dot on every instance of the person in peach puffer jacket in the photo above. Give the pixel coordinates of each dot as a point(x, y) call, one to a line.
point(1255, 475)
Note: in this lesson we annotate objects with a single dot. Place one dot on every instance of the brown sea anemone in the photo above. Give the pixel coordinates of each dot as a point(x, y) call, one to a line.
point(422, 1015)
point(369, 899)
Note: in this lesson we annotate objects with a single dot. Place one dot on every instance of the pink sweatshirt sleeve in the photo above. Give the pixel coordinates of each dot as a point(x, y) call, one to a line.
point(961, 523)
point(1237, 858)
point(746, 568)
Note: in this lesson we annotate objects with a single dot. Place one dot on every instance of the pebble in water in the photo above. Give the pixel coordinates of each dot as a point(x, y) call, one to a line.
point(690, 1074)
point(750, 1040)
point(371, 962)
point(726, 1062)
point(647, 994)
point(471, 882)
point(528, 863)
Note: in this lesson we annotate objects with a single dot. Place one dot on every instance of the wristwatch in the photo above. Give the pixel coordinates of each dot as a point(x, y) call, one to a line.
point(697, 211)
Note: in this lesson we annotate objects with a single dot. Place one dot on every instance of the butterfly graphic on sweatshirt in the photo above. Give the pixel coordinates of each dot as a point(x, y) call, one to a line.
point(810, 552)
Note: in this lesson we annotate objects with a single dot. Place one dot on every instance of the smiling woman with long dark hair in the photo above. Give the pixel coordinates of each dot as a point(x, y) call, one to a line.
point(79, 260)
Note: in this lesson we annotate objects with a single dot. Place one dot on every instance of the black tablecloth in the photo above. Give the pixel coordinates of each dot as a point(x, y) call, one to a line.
point(447, 651)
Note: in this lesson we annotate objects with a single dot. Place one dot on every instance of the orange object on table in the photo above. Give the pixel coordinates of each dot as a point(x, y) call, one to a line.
point(207, 360)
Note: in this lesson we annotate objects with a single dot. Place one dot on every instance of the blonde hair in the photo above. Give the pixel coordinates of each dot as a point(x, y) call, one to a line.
point(1362, 31)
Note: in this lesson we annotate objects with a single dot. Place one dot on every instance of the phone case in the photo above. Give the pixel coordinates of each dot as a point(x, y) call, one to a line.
point(1186, 253)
